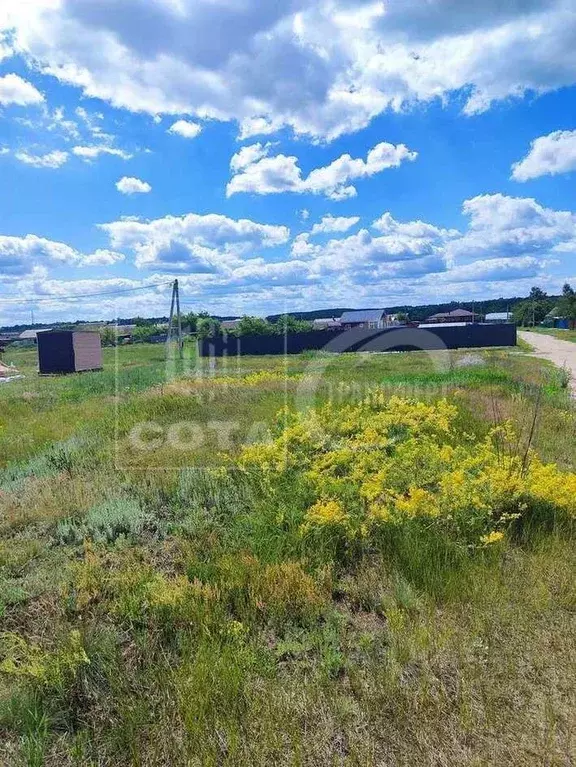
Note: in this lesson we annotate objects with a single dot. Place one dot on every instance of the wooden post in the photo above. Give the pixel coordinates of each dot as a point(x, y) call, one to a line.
point(175, 304)
point(180, 340)
point(169, 339)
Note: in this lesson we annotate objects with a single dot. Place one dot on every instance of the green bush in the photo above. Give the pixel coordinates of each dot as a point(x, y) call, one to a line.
point(105, 522)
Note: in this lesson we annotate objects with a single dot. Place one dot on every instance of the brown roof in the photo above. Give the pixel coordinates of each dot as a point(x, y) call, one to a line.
point(454, 313)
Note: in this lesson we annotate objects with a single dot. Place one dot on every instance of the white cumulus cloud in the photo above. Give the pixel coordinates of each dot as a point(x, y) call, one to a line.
point(131, 185)
point(280, 173)
point(15, 90)
point(248, 155)
point(504, 227)
point(185, 128)
point(93, 152)
point(321, 67)
point(548, 156)
point(53, 160)
point(193, 243)
point(20, 256)
point(496, 270)
point(102, 257)
point(330, 224)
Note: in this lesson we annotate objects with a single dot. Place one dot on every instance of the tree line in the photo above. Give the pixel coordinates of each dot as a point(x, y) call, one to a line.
point(534, 309)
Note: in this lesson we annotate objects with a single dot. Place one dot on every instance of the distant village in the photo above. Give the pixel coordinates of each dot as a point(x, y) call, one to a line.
point(156, 332)
point(537, 309)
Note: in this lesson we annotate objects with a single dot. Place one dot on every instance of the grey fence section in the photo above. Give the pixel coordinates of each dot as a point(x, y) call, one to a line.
point(363, 339)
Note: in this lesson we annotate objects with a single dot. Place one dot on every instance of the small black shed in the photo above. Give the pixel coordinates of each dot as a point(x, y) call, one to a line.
point(69, 351)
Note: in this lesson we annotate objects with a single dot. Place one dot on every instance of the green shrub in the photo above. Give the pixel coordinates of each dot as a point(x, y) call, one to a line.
point(105, 522)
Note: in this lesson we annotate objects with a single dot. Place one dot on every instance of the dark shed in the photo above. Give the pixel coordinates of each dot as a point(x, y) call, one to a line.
point(69, 351)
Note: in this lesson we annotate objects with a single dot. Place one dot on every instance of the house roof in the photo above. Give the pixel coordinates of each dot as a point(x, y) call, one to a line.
point(30, 335)
point(326, 322)
point(555, 314)
point(454, 313)
point(499, 316)
point(364, 315)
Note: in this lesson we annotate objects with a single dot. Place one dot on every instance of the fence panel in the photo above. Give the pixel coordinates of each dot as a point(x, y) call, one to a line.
point(363, 339)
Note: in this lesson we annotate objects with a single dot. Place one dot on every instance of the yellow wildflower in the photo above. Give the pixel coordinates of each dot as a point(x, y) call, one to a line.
point(326, 513)
point(418, 503)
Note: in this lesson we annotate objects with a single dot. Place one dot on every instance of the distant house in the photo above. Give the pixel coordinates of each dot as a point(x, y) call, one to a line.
point(495, 318)
point(28, 337)
point(124, 333)
point(6, 339)
point(326, 323)
point(365, 318)
point(457, 315)
point(555, 319)
point(230, 324)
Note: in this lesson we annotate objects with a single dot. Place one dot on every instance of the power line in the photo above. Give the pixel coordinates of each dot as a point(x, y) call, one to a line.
point(32, 299)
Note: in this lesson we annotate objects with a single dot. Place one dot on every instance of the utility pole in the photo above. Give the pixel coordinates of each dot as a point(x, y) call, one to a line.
point(175, 303)
point(180, 340)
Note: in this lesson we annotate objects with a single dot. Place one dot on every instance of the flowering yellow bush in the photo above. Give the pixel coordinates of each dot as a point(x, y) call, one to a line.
point(395, 461)
point(325, 513)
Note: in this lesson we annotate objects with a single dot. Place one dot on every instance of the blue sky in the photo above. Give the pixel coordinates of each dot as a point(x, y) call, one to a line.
point(294, 156)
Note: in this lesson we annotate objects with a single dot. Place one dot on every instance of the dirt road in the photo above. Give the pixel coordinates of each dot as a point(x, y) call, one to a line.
point(561, 353)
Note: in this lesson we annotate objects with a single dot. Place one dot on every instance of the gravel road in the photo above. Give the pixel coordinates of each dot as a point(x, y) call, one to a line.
point(561, 353)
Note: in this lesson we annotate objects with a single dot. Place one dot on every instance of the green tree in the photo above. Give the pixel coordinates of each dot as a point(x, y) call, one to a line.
point(534, 309)
point(145, 332)
point(254, 326)
point(289, 324)
point(206, 327)
point(567, 304)
point(537, 294)
point(108, 336)
point(192, 319)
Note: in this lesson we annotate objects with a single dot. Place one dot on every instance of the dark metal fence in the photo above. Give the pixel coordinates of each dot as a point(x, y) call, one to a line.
point(363, 339)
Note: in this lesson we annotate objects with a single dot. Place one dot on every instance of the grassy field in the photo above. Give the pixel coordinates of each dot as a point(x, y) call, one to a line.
point(356, 560)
